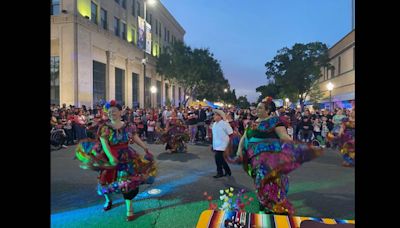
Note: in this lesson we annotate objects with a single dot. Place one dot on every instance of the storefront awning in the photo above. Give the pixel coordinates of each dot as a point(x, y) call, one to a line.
point(340, 97)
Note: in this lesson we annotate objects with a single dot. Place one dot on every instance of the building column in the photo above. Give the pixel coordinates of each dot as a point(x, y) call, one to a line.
point(85, 67)
point(110, 76)
point(128, 83)
point(68, 65)
point(170, 93)
point(141, 88)
point(162, 91)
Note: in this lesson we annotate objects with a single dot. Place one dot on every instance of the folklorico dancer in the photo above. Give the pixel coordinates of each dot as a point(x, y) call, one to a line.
point(121, 169)
point(268, 154)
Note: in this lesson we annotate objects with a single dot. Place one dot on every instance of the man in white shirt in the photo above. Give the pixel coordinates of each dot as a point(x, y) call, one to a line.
point(221, 131)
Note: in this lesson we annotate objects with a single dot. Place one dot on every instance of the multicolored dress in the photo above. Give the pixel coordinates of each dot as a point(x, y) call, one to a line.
point(175, 136)
point(234, 139)
point(347, 142)
point(132, 169)
point(268, 161)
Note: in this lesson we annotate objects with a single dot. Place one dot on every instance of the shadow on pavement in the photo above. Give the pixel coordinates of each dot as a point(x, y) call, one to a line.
point(181, 157)
point(318, 201)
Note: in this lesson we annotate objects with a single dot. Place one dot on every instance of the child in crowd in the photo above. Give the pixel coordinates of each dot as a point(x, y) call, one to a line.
point(151, 124)
point(324, 128)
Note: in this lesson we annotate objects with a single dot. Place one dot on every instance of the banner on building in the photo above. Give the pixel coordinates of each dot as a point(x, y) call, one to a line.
point(148, 38)
point(140, 42)
point(144, 40)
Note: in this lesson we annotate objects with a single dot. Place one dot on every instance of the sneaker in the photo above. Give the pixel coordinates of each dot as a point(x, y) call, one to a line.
point(64, 146)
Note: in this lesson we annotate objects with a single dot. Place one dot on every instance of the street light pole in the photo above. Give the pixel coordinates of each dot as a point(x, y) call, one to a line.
point(330, 88)
point(144, 52)
point(144, 61)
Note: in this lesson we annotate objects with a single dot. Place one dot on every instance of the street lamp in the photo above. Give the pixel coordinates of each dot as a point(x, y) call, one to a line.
point(225, 90)
point(144, 60)
point(330, 88)
point(153, 89)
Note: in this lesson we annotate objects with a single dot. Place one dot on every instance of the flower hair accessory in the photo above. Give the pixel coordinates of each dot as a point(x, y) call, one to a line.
point(267, 100)
point(108, 105)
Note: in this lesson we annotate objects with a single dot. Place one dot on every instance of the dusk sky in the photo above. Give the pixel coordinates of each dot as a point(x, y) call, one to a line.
point(245, 34)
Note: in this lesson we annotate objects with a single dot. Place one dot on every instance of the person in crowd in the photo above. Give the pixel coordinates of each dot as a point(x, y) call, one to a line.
point(175, 135)
point(221, 131)
point(192, 123)
point(347, 140)
point(151, 125)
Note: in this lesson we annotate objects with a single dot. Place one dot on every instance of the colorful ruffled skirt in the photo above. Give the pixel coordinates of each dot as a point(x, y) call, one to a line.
point(174, 136)
point(347, 146)
point(268, 161)
point(131, 171)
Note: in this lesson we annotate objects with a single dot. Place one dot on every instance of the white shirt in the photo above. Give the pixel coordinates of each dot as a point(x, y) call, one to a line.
point(220, 135)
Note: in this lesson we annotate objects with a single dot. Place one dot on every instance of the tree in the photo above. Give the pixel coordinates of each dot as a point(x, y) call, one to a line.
point(193, 70)
point(315, 96)
point(297, 69)
point(242, 102)
point(270, 89)
point(230, 97)
point(174, 65)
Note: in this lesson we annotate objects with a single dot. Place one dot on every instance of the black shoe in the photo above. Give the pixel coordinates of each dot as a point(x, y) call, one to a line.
point(261, 207)
point(218, 176)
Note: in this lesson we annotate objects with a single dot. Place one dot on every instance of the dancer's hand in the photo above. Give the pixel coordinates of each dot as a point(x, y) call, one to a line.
point(114, 162)
point(235, 160)
point(149, 156)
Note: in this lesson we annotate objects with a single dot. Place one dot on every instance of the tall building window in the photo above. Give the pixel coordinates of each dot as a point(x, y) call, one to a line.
point(339, 65)
point(55, 80)
point(156, 27)
point(332, 72)
point(124, 31)
point(133, 7)
point(168, 37)
point(123, 4)
point(99, 82)
point(179, 94)
point(135, 90)
point(133, 32)
point(93, 8)
point(147, 97)
point(151, 20)
point(173, 94)
point(119, 86)
point(103, 18)
point(55, 7)
point(138, 9)
point(165, 33)
point(159, 27)
point(116, 27)
point(166, 92)
point(158, 93)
